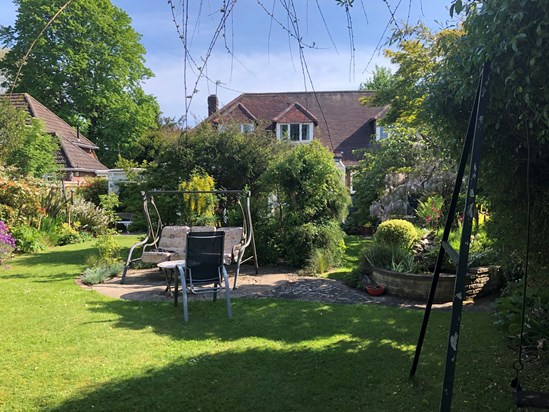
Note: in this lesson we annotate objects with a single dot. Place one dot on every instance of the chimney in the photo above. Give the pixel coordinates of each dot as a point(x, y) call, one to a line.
point(213, 104)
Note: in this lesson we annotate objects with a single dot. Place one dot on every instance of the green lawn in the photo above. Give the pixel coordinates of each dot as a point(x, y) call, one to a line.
point(65, 348)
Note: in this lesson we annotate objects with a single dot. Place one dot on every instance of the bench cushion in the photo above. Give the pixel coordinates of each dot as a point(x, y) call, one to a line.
point(233, 240)
point(173, 241)
point(156, 257)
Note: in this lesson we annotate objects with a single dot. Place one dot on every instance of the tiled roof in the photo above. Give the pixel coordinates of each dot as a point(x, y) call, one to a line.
point(76, 151)
point(344, 124)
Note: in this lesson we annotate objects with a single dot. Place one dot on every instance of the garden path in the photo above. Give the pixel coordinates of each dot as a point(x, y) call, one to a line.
point(272, 282)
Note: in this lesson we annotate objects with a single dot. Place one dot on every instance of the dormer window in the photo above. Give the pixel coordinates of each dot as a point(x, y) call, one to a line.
point(295, 132)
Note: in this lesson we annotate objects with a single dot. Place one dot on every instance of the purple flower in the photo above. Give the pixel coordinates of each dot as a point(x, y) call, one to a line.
point(7, 243)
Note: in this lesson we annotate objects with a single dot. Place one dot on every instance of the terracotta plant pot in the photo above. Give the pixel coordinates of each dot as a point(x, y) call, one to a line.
point(375, 290)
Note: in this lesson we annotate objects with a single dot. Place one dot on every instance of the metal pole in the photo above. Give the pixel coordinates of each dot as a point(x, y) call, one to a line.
point(457, 305)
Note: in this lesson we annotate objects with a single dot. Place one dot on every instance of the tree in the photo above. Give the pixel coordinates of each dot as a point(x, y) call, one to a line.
point(402, 167)
point(87, 67)
point(36, 155)
point(12, 129)
point(382, 79)
point(28, 147)
point(311, 202)
point(512, 35)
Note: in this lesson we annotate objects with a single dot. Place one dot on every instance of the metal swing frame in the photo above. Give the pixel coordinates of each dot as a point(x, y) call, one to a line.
point(472, 146)
point(154, 230)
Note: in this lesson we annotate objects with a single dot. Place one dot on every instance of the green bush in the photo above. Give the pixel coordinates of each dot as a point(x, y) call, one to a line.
point(397, 233)
point(68, 235)
point(300, 242)
point(509, 310)
point(29, 239)
point(98, 274)
point(108, 250)
point(93, 189)
point(89, 217)
point(388, 256)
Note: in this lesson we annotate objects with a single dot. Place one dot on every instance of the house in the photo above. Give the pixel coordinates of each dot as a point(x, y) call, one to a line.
point(337, 119)
point(76, 156)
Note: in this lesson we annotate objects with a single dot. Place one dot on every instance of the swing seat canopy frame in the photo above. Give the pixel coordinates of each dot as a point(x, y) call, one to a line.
point(168, 242)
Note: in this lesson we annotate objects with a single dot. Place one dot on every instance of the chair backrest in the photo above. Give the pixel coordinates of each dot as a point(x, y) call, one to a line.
point(204, 256)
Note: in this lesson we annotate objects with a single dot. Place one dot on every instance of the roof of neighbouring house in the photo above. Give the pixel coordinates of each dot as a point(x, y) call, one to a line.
point(73, 145)
point(343, 123)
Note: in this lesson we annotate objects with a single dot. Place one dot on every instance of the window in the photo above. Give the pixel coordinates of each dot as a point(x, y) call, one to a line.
point(247, 128)
point(381, 133)
point(295, 132)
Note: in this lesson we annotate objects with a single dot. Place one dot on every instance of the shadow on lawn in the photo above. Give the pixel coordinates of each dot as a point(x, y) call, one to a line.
point(288, 321)
point(347, 375)
point(31, 266)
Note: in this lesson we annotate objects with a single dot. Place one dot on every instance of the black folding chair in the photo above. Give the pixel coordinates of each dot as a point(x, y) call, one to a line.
point(204, 271)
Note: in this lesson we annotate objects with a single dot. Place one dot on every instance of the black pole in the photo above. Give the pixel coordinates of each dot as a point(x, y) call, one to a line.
point(447, 228)
point(468, 215)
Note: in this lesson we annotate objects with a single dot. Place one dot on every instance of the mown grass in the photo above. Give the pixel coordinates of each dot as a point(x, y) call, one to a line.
point(354, 247)
point(65, 348)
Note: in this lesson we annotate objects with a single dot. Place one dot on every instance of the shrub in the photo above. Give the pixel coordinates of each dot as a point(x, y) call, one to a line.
point(29, 239)
point(91, 218)
point(7, 243)
point(429, 211)
point(109, 203)
point(397, 233)
point(68, 235)
point(300, 242)
point(98, 274)
point(509, 310)
point(388, 256)
point(107, 250)
point(92, 189)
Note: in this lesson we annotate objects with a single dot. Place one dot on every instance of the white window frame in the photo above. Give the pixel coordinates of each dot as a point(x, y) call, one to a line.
point(310, 130)
point(247, 128)
point(381, 133)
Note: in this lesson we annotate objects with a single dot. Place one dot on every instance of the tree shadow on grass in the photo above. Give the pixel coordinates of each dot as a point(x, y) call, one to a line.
point(288, 321)
point(50, 265)
point(347, 375)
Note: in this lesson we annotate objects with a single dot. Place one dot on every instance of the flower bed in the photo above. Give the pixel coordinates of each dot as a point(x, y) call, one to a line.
point(480, 281)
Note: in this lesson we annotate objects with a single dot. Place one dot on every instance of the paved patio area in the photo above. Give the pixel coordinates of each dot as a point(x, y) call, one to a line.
point(271, 282)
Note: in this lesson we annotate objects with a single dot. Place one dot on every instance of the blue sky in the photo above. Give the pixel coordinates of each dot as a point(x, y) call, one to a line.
point(263, 58)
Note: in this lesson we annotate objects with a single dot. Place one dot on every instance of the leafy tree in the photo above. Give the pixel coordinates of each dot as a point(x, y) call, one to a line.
point(87, 67)
point(311, 201)
point(402, 167)
point(234, 160)
point(36, 155)
point(12, 129)
point(417, 56)
point(513, 36)
point(382, 79)
point(28, 147)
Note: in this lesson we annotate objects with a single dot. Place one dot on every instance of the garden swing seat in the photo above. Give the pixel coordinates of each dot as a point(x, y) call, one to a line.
point(169, 243)
point(529, 399)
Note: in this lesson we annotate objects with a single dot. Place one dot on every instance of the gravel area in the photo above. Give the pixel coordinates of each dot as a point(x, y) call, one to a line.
point(277, 283)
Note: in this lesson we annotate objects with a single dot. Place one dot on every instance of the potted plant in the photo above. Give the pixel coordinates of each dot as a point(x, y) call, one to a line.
point(375, 289)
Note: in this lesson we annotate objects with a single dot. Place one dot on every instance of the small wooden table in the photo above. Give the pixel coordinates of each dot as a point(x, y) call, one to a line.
point(169, 267)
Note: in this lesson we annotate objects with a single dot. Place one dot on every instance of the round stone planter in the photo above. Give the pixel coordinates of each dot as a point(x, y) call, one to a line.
point(479, 282)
